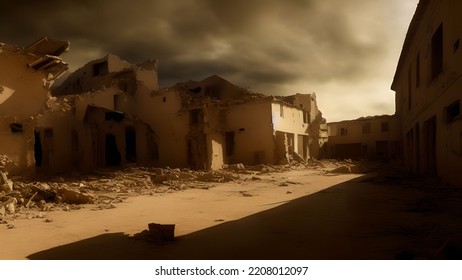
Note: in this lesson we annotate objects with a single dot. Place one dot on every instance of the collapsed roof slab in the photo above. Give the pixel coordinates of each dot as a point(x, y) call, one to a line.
point(46, 46)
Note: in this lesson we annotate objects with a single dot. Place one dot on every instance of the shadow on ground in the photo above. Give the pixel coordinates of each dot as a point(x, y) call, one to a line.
point(358, 219)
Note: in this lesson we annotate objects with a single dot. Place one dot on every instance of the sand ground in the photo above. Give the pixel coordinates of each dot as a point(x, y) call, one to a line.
point(312, 216)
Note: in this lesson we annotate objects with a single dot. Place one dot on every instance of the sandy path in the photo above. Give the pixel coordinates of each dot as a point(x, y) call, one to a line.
point(191, 210)
point(313, 216)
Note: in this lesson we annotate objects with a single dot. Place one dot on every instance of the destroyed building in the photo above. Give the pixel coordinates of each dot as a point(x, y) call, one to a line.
point(105, 126)
point(376, 137)
point(226, 124)
point(428, 88)
point(111, 112)
point(198, 125)
point(26, 75)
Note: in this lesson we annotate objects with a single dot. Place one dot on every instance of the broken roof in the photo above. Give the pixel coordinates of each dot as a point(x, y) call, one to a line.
point(367, 118)
point(46, 46)
point(214, 89)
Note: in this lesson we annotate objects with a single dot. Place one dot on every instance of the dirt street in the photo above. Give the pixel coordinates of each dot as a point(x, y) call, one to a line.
point(297, 214)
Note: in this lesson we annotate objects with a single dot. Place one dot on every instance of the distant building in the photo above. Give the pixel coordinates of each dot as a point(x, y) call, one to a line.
point(375, 137)
point(227, 124)
point(428, 88)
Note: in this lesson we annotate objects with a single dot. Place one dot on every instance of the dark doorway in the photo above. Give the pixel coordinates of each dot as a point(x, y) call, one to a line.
point(112, 153)
point(38, 153)
point(430, 146)
point(229, 143)
point(130, 144)
point(47, 146)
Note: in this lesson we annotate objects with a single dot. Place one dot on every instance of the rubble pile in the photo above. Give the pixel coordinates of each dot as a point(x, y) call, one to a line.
point(6, 165)
point(352, 167)
point(104, 188)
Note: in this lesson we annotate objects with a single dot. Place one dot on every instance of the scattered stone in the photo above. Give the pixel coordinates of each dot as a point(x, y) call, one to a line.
point(255, 178)
point(74, 196)
point(293, 182)
point(48, 220)
point(349, 168)
point(245, 194)
point(6, 185)
point(288, 192)
point(9, 226)
point(39, 216)
point(7, 205)
point(234, 167)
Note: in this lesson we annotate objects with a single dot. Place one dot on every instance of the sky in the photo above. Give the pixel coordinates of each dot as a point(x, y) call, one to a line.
point(344, 51)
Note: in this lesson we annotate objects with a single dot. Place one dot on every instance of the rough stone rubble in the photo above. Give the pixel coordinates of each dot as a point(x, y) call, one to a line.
point(104, 188)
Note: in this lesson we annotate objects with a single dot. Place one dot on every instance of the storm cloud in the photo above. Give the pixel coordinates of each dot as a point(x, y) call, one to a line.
point(342, 50)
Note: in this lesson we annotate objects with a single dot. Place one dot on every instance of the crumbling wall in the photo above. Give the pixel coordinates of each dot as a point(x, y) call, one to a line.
point(92, 76)
point(290, 120)
point(26, 75)
point(252, 130)
point(17, 144)
point(146, 76)
point(23, 91)
point(165, 115)
point(214, 121)
point(317, 130)
point(55, 131)
point(101, 98)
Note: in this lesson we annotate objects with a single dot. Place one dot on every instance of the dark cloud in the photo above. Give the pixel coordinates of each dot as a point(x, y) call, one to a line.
point(263, 44)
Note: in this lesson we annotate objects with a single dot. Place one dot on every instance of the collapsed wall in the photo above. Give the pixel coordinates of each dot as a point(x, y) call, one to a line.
point(26, 75)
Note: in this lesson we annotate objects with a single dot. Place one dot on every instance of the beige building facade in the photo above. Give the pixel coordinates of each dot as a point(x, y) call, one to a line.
point(428, 88)
point(227, 124)
point(375, 137)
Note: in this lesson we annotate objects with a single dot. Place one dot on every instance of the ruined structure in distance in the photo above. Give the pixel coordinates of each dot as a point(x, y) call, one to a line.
point(111, 112)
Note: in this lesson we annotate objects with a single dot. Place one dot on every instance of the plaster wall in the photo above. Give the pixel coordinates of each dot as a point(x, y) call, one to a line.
point(360, 138)
point(103, 98)
point(23, 90)
point(18, 146)
point(170, 123)
point(423, 98)
point(254, 141)
point(289, 119)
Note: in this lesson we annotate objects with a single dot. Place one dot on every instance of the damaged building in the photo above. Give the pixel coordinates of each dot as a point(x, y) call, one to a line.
point(105, 125)
point(226, 124)
point(376, 137)
point(428, 88)
point(111, 112)
point(26, 75)
point(198, 125)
